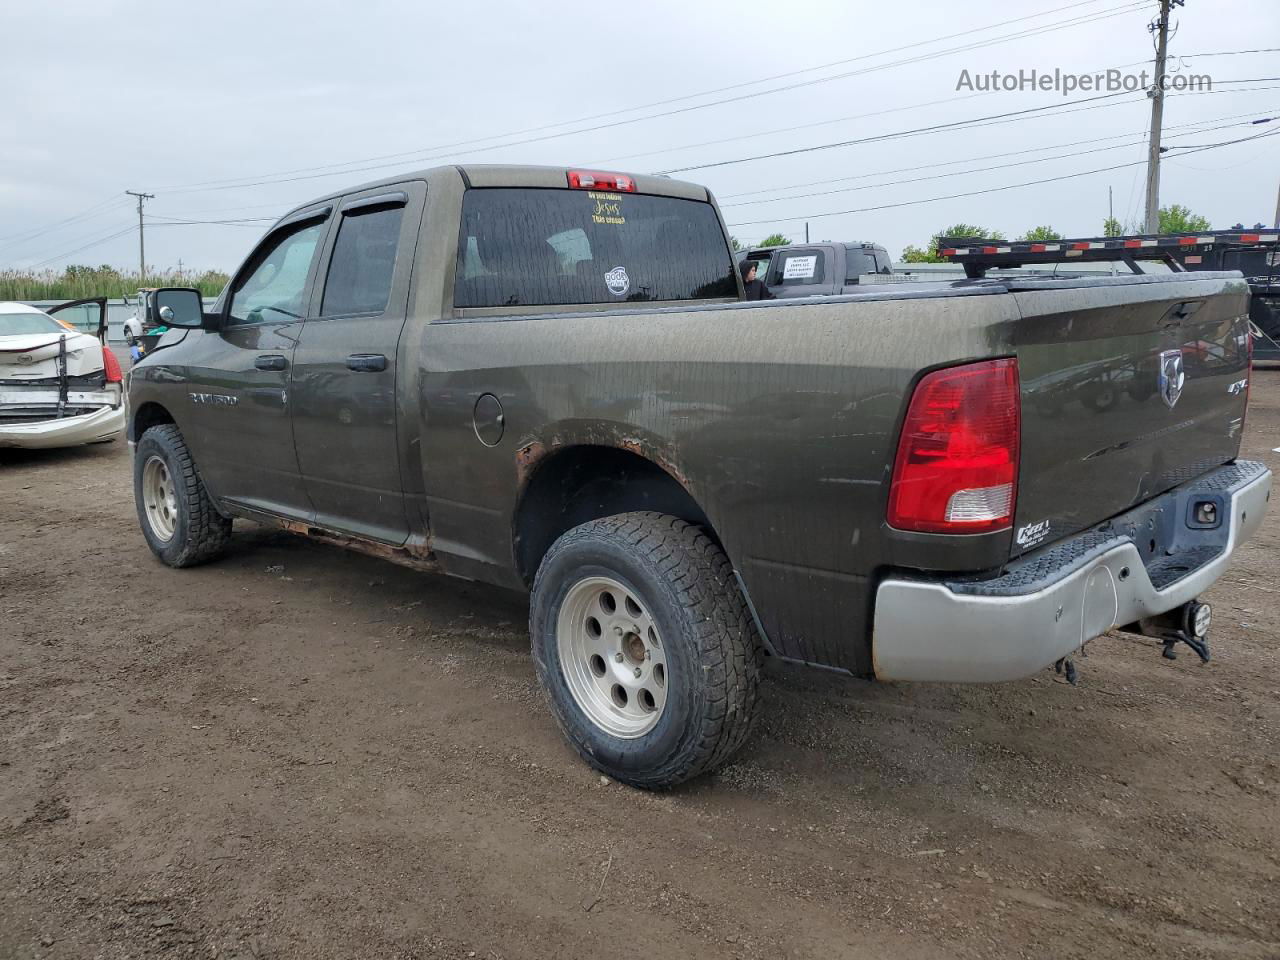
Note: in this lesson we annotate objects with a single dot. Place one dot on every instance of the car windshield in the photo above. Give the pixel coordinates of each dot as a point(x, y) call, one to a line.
point(23, 324)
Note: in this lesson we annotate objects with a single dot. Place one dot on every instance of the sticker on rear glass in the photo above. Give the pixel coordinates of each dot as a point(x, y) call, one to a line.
point(800, 268)
point(608, 208)
point(617, 281)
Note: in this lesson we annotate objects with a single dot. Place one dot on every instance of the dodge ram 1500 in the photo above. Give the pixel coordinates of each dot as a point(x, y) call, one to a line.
point(546, 379)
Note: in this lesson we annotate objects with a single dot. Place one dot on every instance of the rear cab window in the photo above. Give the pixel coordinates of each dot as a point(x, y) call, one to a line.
point(858, 262)
point(796, 267)
point(544, 246)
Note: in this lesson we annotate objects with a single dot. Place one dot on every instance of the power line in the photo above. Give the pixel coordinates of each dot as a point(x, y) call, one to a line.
point(417, 155)
point(92, 243)
point(822, 123)
point(1008, 116)
point(777, 130)
point(974, 122)
point(252, 221)
point(96, 210)
point(655, 103)
point(977, 122)
point(961, 173)
point(950, 163)
point(1207, 146)
point(1225, 53)
point(974, 193)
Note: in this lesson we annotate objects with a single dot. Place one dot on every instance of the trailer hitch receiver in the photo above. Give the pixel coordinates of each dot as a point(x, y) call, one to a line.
point(1187, 624)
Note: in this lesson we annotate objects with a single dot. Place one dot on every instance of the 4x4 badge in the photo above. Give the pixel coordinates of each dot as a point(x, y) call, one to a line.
point(1172, 376)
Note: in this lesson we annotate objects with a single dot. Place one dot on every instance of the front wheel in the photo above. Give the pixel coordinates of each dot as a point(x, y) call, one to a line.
point(645, 647)
point(178, 519)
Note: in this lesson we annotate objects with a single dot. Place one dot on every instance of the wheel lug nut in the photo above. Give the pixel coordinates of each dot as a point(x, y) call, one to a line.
point(648, 654)
point(617, 657)
point(617, 629)
point(637, 673)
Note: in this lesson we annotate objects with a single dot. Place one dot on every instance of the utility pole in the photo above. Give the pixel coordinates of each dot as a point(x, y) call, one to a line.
point(1278, 209)
point(806, 231)
point(142, 250)
point(1161, 29)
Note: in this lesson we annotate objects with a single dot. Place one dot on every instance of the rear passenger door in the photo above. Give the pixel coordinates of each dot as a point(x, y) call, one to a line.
point(345, 419)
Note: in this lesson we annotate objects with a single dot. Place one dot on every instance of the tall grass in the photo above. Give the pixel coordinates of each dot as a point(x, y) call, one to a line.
point(76, 283)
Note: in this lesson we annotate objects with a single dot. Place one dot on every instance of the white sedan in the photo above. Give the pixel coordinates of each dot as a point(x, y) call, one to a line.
point(59, 387)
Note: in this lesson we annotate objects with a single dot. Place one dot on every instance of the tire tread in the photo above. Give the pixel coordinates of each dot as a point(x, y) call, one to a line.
point(208, 531)
point(725, 636)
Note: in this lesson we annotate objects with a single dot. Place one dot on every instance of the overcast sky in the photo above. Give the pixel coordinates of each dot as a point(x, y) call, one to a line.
point(104, 96)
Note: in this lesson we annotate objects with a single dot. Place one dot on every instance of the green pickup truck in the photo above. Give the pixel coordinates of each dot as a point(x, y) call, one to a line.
point(546, 379)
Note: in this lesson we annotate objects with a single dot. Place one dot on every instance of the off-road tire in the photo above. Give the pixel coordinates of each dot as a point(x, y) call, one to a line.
point(709, 640)
point(200, 533)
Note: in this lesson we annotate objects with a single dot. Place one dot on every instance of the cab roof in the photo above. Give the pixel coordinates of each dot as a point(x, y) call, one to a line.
point(519, 175)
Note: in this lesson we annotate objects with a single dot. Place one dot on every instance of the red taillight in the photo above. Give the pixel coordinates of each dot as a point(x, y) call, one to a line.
point(957, 465)
point(591, 180)
point(111, 366)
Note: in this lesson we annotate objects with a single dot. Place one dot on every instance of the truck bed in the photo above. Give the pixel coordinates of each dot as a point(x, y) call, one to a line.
point(781, 419)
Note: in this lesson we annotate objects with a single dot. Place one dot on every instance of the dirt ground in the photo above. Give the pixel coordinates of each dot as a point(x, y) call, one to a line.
point(303, 753)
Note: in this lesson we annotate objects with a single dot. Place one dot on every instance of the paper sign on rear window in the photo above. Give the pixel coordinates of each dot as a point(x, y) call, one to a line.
point(799, 268)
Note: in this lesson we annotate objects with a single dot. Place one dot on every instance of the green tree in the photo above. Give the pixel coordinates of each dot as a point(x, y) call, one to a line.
point(735, 244)
point(1044, 234)
point(1111, 227)
point(913, 254)
point(964, 230)
point(775, 240)
point(1178, 219)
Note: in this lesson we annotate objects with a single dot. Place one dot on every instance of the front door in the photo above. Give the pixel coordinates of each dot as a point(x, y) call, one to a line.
point(88, 316)
point(239, 390)
point(344, 371)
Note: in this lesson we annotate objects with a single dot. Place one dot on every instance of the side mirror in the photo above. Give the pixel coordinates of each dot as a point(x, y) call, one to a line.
point(179, 307)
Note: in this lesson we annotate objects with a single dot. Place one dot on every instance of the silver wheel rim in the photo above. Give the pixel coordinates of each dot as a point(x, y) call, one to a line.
point(612, 657)
point(158, 498)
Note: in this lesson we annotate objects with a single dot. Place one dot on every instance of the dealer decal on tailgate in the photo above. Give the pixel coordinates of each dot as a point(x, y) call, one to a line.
point(1032, 533)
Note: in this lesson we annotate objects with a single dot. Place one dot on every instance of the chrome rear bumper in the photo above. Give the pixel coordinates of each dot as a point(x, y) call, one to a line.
point(1048, 604)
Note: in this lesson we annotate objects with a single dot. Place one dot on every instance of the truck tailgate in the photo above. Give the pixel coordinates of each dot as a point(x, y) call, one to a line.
point(1130, 386)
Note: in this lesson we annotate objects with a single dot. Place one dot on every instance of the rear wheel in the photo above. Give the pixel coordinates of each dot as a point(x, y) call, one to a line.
point(178, 519)
point(645, 648)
